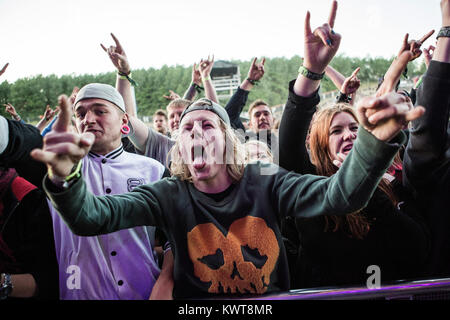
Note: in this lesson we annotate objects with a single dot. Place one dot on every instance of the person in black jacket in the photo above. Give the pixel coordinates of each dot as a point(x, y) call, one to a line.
point(339, 251)
point(427, 156)
point(28, 264)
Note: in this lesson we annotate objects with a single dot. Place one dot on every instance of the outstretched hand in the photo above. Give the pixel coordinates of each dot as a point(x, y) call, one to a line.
point(256, 71)
point(205, 66)
point(428, 54)
point(118, 56)
point(172, 96)
point(414, 45)
point(73, 95)
point(49, 113)
point(352, 83)
point(196, 75)
point(388, 112)
point(10, 109)
point(63, 148)
point(322, 44)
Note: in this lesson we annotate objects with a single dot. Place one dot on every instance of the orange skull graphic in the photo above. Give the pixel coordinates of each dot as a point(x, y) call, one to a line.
point(240, 262)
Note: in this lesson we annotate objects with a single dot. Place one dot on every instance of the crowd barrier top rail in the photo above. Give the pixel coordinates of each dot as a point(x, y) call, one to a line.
point(421, 289)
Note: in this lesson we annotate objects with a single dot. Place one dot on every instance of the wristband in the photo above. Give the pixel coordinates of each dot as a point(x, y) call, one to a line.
point(197, 87)
point(125, 76)
point(206, 78)
point(67, 181)
point(253, 82)
point(76, 174)
point(419, 82)
point(6, 287)
point(342, 97)
point(309, 74)
point(444, 32)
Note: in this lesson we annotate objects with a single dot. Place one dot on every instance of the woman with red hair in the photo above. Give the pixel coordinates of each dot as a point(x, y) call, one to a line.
point(387, 233)
point(337, 250)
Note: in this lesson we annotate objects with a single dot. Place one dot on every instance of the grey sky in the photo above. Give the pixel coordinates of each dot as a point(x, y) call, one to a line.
point(63, 37)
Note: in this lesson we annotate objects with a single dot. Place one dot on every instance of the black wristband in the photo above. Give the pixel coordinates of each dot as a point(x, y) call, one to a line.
point(6, 286)
point(444, 32)
point(197, 87)
point(253, 82)
point(309, 74)
point(342, 97)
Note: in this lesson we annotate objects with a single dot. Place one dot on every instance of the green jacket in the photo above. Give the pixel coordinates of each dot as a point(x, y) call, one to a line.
point(231, 246)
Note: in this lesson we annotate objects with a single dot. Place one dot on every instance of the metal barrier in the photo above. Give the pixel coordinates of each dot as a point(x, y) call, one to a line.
point(425, 289)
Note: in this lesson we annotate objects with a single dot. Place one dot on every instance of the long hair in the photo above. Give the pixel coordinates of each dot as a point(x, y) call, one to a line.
point(320, 154)
point(233, 158)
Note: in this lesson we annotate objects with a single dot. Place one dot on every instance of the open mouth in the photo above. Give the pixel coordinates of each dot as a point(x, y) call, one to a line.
point(347, 148)
point(198, 156)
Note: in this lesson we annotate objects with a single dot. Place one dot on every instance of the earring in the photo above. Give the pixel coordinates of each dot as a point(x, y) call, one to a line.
point(125, 129)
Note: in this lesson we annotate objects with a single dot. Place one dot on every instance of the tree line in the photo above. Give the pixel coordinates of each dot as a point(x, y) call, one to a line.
point(30, 95)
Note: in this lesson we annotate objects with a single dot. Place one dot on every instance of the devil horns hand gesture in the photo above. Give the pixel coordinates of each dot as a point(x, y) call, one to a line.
point(322, 44)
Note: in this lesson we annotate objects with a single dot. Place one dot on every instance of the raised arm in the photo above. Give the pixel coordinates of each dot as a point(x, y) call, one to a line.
point(48, 116)
point(119, 59)
point(237, 102)
point(9, 108)
point(196, 84)
point(425, 154)
point(347, 86)
point(2, 71)
point(205, 67)
point(320, 48)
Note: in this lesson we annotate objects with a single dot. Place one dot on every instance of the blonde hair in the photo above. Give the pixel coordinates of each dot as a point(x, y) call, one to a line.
point(178, 103)
point(259, 145)
point(234, 157)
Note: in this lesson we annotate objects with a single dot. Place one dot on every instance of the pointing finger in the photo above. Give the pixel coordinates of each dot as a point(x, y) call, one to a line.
point(355, 72)
point(425, 37)
point(4, 68)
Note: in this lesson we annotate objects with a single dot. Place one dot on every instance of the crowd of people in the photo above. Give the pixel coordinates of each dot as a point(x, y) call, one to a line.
point(95, 204)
